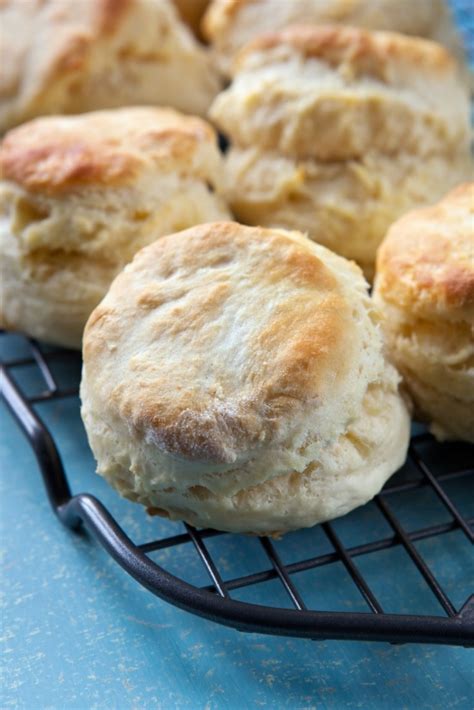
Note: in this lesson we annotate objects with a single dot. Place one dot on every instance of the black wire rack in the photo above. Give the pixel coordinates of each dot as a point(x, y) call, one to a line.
point(214, 601)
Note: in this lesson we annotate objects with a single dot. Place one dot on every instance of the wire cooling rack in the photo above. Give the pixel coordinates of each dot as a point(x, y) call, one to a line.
point(453, 624)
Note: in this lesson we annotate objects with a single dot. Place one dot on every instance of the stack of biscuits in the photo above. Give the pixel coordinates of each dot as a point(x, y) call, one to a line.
point(338, 131)
point(238, 374)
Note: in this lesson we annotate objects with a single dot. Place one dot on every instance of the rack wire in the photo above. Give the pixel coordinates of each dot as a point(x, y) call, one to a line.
point(453, 625)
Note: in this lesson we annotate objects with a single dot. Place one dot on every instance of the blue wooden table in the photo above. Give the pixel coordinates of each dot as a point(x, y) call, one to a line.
point(77, 632)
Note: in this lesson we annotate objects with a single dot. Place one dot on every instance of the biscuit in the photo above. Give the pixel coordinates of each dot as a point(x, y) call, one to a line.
point(231, 24)
point(234, 377)
point(80, 195)
point(425, 290)
point(64, 56)
point(337, 131)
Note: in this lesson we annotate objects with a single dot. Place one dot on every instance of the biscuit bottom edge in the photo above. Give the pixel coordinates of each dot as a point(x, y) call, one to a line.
point(350, 472)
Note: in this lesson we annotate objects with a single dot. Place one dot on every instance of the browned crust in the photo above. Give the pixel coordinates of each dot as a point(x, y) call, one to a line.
point(305, 341)
point(335, 44)
point(427, 257)
point(55, 166)
point(54, 154)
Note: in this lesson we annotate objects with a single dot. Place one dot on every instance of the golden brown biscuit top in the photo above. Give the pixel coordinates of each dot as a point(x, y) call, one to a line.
point(367, 52)
point(426, 262)
point(56, 154)
point(215, 338)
